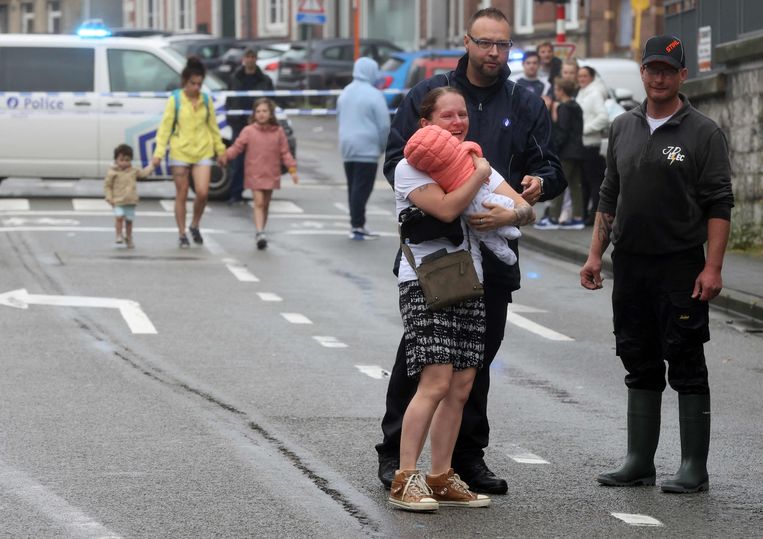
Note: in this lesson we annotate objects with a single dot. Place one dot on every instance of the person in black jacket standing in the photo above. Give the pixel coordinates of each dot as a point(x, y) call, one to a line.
point(513, 128)
point(247, 77)
point(667, 191)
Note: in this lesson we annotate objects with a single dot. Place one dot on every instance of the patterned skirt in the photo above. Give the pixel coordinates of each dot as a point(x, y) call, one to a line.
point(454, 335)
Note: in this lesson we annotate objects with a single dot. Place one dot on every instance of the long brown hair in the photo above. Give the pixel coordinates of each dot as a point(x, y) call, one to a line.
point(271, 106)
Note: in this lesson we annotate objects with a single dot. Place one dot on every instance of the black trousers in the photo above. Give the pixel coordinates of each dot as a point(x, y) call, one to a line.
point(474, 435)
point(656, 320)
point(594, 168)
point(360, 183)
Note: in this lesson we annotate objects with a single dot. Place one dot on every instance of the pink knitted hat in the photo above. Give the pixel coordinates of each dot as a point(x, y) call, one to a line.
point(435, 151)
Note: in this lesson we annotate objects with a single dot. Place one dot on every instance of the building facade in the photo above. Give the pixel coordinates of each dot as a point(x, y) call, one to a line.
point(55, 16)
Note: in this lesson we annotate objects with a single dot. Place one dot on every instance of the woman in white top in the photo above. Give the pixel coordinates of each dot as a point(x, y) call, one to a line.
point(443, 348)
point(595, 123)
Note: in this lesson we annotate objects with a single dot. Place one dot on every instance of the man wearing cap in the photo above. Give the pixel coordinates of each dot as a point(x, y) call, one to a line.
point(247, 77)
point(666, 192)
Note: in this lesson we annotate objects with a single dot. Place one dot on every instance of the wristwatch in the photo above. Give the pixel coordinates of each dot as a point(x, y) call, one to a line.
point(541, 185)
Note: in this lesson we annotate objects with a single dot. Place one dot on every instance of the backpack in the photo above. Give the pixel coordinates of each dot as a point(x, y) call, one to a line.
point(176, 95)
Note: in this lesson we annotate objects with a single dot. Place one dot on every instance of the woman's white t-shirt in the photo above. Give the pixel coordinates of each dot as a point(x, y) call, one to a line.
point(407, 179)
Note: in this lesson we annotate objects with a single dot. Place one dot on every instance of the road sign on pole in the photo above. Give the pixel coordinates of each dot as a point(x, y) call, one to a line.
point(311, 12)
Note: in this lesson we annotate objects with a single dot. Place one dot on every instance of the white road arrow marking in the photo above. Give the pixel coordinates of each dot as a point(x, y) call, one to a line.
point(533, 327)
point(130, 310)
point(373, 371)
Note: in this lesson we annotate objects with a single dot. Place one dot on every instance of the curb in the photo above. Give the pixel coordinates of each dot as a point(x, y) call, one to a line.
point(730, 301)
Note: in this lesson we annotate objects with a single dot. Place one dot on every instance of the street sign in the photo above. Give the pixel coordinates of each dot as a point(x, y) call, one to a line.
point(311, 12)
point(705, 48)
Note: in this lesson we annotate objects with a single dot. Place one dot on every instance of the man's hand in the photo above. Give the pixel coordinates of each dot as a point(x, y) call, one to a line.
point(496, 217)
point(531, 189)
point(590, 274)
point(708, 284)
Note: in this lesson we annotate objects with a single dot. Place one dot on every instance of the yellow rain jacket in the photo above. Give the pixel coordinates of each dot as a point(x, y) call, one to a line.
point(196, 135)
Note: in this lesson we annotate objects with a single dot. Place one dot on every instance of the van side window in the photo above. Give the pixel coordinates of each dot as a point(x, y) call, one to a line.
point(139, 71)
point(47, 69)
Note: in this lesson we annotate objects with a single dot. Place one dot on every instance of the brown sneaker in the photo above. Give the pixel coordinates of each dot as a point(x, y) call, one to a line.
point(410, 491)
point(449, 490)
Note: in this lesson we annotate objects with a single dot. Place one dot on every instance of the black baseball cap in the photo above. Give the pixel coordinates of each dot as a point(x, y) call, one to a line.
point(667, 49)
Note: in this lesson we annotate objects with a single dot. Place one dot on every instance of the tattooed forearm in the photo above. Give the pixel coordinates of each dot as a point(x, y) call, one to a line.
point(525, 214)
point(604, 228)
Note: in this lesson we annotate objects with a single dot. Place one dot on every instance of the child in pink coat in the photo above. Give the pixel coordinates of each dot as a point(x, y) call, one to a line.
point(266, 149)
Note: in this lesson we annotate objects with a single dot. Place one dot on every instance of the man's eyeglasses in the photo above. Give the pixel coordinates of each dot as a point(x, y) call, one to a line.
point(486, 44)
point(666, 71)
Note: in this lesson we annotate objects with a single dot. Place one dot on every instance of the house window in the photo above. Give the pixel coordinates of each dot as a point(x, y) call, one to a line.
point(3, 19)
point(54, 17)
point(27, 18)
point(571, 15)
point(273, 17)
point(184, 15)
point(152, 13)
point(523, 16)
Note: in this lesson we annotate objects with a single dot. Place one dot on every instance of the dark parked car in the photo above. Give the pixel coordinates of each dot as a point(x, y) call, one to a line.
point(268, 55)
point(326, 63)
point(209, 49)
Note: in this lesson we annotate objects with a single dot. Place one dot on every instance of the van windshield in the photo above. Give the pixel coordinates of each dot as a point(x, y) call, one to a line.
point(210, 80)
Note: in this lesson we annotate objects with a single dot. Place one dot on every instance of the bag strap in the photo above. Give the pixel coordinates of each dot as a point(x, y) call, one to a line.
point(176, 95)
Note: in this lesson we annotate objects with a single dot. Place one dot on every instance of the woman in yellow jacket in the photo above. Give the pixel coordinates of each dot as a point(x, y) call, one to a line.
point(190, 129)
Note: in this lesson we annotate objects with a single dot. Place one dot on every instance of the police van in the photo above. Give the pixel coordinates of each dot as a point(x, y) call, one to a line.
point(67, 101)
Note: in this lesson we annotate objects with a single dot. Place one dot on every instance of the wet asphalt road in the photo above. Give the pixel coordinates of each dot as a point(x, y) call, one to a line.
point(253, 408)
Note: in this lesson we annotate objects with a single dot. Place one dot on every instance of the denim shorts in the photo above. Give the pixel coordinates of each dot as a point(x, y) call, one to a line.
point(127, 211)
point(206, 161)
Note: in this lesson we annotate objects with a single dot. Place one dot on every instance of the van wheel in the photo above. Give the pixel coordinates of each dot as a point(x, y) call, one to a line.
point(219, 183)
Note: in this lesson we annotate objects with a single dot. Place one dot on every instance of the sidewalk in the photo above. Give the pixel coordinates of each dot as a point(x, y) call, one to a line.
point(742, 274)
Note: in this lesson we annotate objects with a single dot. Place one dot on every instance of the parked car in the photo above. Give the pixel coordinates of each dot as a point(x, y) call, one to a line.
point(403, 70)
point(209, 49)
point(326, 63)
point(139, 32)
point(621, 76)
point(268, 57)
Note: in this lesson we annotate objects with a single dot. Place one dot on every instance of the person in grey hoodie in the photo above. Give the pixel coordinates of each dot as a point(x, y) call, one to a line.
point(363, 119)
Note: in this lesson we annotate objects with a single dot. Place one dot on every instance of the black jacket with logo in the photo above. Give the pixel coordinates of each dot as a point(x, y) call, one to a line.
point(513, 128)
point(662, 188)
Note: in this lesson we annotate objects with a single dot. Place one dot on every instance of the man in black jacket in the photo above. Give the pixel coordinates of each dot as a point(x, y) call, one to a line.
point(513, 128)
point(247, 77)
point(667, 191)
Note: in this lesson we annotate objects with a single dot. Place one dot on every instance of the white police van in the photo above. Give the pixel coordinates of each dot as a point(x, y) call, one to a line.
point(66, 102)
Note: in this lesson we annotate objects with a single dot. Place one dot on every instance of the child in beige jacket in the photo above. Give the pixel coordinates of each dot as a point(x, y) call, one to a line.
point(120, 187)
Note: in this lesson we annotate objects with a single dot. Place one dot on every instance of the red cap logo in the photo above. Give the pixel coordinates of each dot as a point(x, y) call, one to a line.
point(673, 44)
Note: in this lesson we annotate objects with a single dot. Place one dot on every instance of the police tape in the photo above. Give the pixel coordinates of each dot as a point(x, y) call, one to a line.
point(52, 102)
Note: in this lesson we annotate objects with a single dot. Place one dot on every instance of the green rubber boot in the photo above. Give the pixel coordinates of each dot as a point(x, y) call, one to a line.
point(643, 435)
point(694, 417)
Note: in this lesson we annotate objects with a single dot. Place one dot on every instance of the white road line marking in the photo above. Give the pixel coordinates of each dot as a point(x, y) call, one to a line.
point(296, 318)
point(329, 342)
point(637, 520)
point(373, 371)
point(19, 221)
point(269, 296)
point(51, 506)
point(139, 213)
point(90, 204)
point(169, 205)
point(95, 229)
point(370, 210)
point(241, 273)
point(306, 232)
point(213, 247)
point(533, 327)
point(522, 456)
point(14, 204)
point(284, 206)
point(519, 308)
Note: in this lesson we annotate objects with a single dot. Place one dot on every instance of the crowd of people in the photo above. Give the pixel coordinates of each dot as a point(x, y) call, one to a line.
point(459, 190)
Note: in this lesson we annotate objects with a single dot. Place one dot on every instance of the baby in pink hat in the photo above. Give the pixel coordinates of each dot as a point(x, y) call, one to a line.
point(447, 161)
